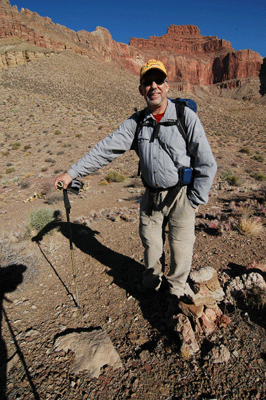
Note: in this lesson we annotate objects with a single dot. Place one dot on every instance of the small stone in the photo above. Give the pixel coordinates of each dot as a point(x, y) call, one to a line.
point(144, 355)
point(191, 310)
point(224, 321)
point(189, 344)
point(206, 325)
point(255, 265)
point(202, 275)
point(220, 354)
point(147, 367)
point(211, 314)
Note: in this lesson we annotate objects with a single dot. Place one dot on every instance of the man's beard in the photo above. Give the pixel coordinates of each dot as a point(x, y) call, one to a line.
point(154, 102)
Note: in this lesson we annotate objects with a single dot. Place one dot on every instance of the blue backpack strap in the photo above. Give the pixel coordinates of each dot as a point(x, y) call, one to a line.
point(180, 105)
point(140, 119)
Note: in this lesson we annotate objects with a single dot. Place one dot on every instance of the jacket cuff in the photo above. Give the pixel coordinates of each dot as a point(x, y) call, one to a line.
point(193, 205)
point(73, 173)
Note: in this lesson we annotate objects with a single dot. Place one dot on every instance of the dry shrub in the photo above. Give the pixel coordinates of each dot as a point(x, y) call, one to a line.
point(255, 297)
point(114, 176)
point(16, 255)
point(250, 227)
point(42, 217)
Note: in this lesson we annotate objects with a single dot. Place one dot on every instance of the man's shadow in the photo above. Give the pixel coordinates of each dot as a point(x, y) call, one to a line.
point(127, 273)
point(10, 277)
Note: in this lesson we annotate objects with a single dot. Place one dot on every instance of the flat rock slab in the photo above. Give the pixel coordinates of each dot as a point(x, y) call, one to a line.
point(92, 349)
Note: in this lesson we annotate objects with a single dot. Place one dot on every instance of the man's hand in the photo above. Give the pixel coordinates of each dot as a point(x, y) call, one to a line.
point(64, 178)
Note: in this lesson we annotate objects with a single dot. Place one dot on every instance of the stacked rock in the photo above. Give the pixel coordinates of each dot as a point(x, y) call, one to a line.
point(200, 307)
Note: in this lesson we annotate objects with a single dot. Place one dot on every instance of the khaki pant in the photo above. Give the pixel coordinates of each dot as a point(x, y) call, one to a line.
point(181, 223)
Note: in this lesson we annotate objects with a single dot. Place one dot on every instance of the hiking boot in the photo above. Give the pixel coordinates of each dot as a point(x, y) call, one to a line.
point(146, 290)
point(174, 307)
point(162, 286)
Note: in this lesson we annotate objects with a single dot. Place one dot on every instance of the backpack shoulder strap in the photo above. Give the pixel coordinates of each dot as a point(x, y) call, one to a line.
point(140, 119)
point(180, 107)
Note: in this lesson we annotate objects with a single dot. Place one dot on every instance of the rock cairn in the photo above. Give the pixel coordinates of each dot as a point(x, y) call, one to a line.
point(201, 314)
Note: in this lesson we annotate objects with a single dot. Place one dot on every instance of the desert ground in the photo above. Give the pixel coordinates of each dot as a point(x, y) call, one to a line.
point(52, 111)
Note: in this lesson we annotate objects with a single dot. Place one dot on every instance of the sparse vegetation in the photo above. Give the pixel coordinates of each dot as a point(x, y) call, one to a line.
point(50, 160)
point(250, 226)
point(41, 217)
point(259, 176)
point(259, 158)
point(231, 178)
point(10, 170)
point(245, 150)
point(114, 176)
point(24, 184)
point(13, 254)
point(15, 146)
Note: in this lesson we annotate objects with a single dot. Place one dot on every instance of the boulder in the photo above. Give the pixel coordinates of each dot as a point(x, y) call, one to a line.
point(92, 350)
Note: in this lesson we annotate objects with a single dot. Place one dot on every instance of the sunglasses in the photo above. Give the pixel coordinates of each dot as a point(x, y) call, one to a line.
point(158, 81)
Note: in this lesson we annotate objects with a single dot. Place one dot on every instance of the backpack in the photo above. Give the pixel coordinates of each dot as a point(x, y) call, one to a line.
point(180, 105)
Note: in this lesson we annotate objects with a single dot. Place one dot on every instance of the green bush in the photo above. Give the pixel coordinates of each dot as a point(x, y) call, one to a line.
point(259, 177)
point(233, 180)
point(114, 176)
point(245, 150)
point(259, 157)
point(40, 218)
point(15, 146)
point(229, 177)
point(9, 170)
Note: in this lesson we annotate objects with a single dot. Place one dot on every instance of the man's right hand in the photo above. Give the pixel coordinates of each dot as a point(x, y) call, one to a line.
point(64, 178)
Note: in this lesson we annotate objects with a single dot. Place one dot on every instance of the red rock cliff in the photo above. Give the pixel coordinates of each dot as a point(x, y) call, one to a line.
point(190, 58)
point(184, 39)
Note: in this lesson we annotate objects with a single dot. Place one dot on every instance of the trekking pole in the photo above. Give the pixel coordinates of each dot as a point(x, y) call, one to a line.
point(74, 188)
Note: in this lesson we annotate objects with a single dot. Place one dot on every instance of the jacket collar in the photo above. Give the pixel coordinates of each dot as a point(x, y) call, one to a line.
point(170, 113)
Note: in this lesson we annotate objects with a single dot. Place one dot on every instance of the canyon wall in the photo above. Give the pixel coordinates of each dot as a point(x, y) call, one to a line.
point(190, 58)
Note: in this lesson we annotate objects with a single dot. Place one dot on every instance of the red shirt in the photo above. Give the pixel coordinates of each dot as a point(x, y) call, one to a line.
point(158, 117)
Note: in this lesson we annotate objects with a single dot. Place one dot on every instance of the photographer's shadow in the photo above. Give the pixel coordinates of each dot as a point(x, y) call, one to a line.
point(10, 277)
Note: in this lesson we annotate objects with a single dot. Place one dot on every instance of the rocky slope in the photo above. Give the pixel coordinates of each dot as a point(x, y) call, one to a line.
point(191, 58)
point(51, 113)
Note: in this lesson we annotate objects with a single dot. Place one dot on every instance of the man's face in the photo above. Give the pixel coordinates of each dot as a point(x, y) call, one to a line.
point(154, 89)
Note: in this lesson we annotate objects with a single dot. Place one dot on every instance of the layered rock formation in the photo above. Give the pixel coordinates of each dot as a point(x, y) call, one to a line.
point(194, 59)
point(14, 52)
point(190, 58)
point(184, 39)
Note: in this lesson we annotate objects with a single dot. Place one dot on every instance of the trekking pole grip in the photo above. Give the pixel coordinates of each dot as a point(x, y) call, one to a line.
point(66, 200)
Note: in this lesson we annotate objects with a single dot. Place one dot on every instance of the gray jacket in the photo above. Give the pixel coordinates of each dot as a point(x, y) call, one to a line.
point(159, 159)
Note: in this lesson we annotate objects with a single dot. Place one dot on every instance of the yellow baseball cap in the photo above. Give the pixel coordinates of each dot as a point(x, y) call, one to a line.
point(152, 64)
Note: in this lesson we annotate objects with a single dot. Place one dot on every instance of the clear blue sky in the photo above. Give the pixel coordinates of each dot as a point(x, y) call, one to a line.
point(242, 22)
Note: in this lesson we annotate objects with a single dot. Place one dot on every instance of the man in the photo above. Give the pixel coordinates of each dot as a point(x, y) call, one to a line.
point(162, 154)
